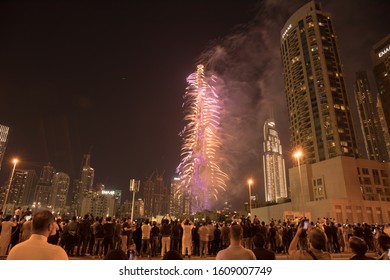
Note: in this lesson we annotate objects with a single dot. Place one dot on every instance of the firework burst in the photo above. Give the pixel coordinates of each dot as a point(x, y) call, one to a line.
point(200, 175)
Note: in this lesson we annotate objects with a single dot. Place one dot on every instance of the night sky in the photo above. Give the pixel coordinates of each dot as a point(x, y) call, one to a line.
point(108, 77)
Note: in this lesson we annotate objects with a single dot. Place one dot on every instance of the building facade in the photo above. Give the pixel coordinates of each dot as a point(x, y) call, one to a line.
point(273, 164)
point(156, 196)
point(380, 55)
point(369, 122)
point(179, 203)
point(344, 188)
point(100, 204)
point(22, 187)
point(87, 174)
point(44, 188)
point(126, 208)
point(60, 185)
point(3, 141)
point(318, 106)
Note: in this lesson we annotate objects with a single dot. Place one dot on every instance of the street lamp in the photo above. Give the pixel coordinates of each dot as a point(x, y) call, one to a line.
point(298, 154)
point(15, 161)
point(134, 187)
point(250, 182)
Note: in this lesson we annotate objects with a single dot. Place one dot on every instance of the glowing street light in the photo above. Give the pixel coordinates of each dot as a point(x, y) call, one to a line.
point(134, 187)
point(298, 154)
point(250, 182)
point(15, 161)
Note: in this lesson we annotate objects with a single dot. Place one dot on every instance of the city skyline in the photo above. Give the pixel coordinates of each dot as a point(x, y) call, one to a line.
point(82, 85)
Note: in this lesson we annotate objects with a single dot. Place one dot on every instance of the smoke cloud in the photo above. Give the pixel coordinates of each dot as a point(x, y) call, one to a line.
point(248, 61)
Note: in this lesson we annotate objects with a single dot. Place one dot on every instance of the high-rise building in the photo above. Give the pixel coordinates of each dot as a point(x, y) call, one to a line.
point(380, 55)
point(273, 164)
point(102, 203)
point(318, 107)
point(44, 189)
point(87, 174)
point(200, 170)
point(179, 204)
point(349, 190)
point(3, 141)
point(76, 197)
point(21, 191)
point(60, 185)
point(156, 196)
point(369, 123)
point(126, 208)
point(81, 188)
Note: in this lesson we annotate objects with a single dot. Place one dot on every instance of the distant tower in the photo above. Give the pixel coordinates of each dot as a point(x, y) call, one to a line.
point(199, 171)
point(3, 141)
point(61, 182)
point(380, 56)
point(21, 192)
point(384, 127)
point(156, 196)
point(368, 119)
point(179, 203)
point(87, 174)
point(273, 163)
point(44, 189)
point(318, 107)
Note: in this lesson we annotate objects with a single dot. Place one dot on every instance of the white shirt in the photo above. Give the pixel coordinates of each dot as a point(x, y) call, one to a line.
point(37, 248)
point(146, 228)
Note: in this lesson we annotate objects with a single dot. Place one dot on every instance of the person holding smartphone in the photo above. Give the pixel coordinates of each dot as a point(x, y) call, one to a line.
point(317, 244)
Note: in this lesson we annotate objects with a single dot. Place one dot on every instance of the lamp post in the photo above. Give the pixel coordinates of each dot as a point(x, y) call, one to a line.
point(250, 182)
point(15, 161)
point(298, 154)
point(134, 187)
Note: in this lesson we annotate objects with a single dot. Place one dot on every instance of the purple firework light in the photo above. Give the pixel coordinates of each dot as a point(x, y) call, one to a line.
point(200, 175)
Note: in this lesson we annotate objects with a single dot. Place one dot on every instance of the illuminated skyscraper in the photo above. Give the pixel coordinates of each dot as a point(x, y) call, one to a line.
point(273, 163)
point(179, 201)
point(368, 119)
point(3, 141)
point(21, 191)
point(156, 196)
point(60, 185)
point(44, 189)
point(380, 56)
point(87, 174)
point(318, 106)
point(200, 173)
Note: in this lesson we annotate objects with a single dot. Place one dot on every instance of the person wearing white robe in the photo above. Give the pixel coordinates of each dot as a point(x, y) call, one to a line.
point(187, 226)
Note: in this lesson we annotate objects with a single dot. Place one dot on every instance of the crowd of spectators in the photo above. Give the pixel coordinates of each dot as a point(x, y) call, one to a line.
point(98, 236)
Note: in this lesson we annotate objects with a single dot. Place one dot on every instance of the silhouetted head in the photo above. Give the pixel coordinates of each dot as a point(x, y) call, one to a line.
point(358, 245)
point(172, 255)
point(236, 232)
point(116, 254)
point(317, 239)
